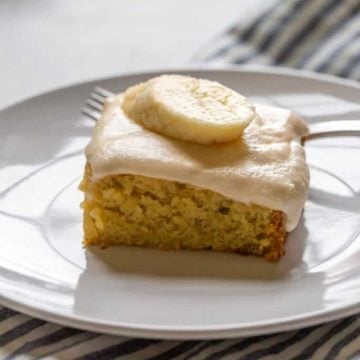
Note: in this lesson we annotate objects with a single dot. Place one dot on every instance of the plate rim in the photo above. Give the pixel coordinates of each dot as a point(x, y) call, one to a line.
point(190, 331)
point(265, 69)
point(209, 332)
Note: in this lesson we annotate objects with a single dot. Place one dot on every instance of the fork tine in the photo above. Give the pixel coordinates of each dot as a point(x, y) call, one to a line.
point(94, 104)
point(96, 97)
point(103, 92)
point(91, 113)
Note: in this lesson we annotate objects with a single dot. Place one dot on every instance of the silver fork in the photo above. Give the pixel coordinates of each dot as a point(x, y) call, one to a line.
point(95, 102)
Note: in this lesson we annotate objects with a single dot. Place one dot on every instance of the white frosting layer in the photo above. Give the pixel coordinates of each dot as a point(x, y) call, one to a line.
point(266, 166)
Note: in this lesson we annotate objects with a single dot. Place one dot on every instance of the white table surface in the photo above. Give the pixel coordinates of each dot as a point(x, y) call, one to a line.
point(48, 44)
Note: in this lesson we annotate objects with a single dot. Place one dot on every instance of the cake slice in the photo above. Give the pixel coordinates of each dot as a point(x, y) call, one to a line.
point(151, 189)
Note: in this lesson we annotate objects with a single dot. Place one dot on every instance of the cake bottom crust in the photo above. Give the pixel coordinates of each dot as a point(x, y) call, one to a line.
point(141, 211)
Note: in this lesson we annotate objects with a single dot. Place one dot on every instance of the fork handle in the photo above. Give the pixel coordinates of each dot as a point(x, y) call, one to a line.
point(333, 128)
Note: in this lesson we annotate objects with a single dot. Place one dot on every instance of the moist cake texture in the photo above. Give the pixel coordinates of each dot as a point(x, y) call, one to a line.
point(143, 211)
point(146, 189)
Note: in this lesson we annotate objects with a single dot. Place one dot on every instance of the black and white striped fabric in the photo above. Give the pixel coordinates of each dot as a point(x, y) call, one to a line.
point(22, 337)
point(321, 35)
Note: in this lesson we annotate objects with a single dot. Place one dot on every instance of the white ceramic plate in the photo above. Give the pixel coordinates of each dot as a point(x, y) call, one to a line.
point(45, 272)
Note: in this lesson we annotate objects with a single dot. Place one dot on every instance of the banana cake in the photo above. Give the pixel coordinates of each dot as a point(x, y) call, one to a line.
point(184, 163)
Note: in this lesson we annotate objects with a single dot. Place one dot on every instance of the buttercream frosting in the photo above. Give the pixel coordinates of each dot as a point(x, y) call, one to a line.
point(265, 166)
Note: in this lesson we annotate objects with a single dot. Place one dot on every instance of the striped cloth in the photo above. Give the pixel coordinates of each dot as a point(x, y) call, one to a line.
point(22, 337)
point(321, 35)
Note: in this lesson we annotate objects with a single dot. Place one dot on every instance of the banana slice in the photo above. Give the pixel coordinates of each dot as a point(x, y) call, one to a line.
point(190, 109)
